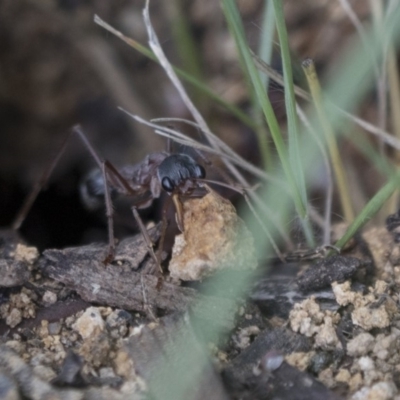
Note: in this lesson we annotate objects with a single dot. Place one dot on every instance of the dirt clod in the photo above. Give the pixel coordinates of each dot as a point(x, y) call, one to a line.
point(215, 238)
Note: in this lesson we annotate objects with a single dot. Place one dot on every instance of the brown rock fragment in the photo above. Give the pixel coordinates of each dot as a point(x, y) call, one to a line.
point(214, 238)
point(15, 260)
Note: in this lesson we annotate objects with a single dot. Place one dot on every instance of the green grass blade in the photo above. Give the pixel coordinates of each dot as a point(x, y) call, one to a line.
point(186, 45)
point(290, 105)
point(381, 162)
point(370, 210)
point(267, 38)
point(237, 112)
point(330, 140)
point(234, 22)
point(236, 29)
point(189, 55)
point(172, 385)
point(354, 77)
point(265, 52)
point(353, 80)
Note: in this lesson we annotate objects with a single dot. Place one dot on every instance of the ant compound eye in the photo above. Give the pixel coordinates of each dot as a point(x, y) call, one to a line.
point(167, 184)
point(200, 172)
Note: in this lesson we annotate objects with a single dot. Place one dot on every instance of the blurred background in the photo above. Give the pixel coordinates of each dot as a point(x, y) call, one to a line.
point(58, 68)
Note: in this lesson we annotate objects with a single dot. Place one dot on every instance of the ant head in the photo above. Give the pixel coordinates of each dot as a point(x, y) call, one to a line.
point(178, 172)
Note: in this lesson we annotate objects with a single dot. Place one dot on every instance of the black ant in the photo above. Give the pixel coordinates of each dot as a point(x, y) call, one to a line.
point(176, 174)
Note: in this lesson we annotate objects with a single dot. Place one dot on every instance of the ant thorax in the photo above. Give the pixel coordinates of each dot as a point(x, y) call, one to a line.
point(176, 173)
point(179, 173)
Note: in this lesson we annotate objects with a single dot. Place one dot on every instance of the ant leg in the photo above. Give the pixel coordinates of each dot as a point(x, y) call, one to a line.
point(103, 165)
point(124, 185)
point(110, 220)
point(40, 184)
point(178, 212)
point(82, 136)
point(164, 227)
point(110, 176)
point(146, 236)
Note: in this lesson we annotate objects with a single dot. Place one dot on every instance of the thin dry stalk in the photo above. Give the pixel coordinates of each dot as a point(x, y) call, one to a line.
point(101, 57)
point(226, 151)
point(385, 136)
point(329, 183)
point(382, 87)
point(181, 138)
point(159, 53)
point(343, 187)
point(247, 192)
point(379, 73)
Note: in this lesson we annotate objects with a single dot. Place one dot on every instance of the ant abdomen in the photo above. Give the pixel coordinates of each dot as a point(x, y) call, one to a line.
point(91, 190)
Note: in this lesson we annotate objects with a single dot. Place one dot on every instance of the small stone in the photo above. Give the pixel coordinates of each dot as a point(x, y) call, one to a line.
point(343, 293)
point(383, 346)
point(326, 271)
point(49, 297)
point(244, 337)
point(95, 349)
point(22, 299)
point(343, 376)
point(123, 365)
point(326, 377)
point(383, 391)
point(25, 253)
point(13, 273)
point(308, 319)
point(123, 330)
point(360, 345)
point(366, 364)
point(300, 360)
point(320, 360)
point(40, 359)
point(14, 318)
point(45, 373)
point(16, 345)
point(326, 337)
point(54, 328)
point(89, 323)
point(118, 318)
point(43, 330)
point(272, 361)
point(106, 372)
point(355, 382)
point(105, 311)
point(381, 287)
point(379, 391)
point(369, 318)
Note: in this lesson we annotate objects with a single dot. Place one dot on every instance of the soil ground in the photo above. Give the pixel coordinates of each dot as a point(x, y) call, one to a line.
point(74, 328)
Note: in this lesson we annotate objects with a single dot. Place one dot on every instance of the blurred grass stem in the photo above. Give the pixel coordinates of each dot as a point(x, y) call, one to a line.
point(315, 89)
point(235, 26)
point(184, 75)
